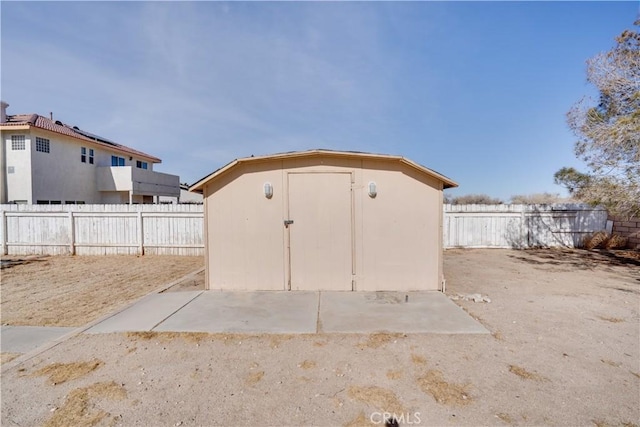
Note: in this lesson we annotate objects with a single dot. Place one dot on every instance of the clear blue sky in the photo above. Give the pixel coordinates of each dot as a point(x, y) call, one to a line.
point(477, 91)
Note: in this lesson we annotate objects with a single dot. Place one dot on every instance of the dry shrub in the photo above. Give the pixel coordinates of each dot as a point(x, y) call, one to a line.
point(602, 240)
point(498, 335)
point(379, 339)
point(505, 417)
point(360, 421)
point(524, 374)
point(443, 392)
point(611, 319)
point(276, 340)
point(595, 240)
point(394, 375)
point(307, 364)
point(254, 378)
point(62, 372)
point(418, 360)
point(6, 357)
point(78, 411)
point(196, 337)
point(380, 398)
point(616, 241)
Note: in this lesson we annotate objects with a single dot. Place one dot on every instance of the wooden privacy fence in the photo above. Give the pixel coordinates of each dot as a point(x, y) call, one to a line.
point(178, 229)
point(520, 226)
point(102, 229)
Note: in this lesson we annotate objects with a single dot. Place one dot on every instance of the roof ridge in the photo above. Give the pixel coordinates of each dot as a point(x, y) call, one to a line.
point(449, 183)
point(57, 126)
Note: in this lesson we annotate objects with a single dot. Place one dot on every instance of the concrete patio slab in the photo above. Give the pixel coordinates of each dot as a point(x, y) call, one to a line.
point(247, 312)
point(275, 312)
point(408, 312)
point(145, 314)
point(22, 339)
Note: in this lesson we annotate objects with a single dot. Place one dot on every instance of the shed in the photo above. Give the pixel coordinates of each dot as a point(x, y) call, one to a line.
point(323, 220)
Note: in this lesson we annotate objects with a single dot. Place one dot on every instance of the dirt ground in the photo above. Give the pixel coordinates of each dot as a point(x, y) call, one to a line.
point(72, 291)
point(564, 350)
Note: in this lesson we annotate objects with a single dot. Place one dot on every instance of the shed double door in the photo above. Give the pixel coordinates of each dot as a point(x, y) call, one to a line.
point(320, 234)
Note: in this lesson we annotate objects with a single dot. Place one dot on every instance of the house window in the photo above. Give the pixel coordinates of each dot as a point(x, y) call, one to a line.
point(42, 145)
point(83, 155)
point(142, 165)
point(17, 142)
point(117, 161)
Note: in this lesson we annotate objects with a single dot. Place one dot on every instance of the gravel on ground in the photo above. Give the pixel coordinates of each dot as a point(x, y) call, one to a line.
point(564, 350)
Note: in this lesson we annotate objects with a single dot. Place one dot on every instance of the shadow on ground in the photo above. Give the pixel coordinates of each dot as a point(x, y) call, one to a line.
point(580, 258)
point(8, 262)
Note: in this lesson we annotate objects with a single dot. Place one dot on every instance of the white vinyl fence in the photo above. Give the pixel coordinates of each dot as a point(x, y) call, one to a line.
point(102, 229)
point(520, 226)
point(178, 229)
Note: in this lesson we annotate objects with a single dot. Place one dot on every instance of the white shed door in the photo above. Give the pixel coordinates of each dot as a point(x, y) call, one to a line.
point(320, 237)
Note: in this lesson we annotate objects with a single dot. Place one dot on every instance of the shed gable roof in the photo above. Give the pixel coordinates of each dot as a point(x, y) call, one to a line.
point(447, 183)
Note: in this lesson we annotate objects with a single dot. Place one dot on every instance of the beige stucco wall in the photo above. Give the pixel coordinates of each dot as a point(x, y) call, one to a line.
point(396, 236)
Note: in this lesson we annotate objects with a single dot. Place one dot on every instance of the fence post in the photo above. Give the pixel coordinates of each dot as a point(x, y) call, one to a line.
point(140, 234)
point(5, 239)
point(523, 228)
point(72, 234)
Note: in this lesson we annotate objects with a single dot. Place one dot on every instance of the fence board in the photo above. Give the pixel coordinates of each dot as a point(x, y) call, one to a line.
point(102, 229)
point(178, 229)
point(520, 226)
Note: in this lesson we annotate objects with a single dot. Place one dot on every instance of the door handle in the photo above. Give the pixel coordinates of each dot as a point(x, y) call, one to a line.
point(288, 222)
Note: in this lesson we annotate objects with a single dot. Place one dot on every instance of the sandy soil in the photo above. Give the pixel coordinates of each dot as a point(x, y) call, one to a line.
point(565, 350)
point(193, 284)
point(72, 291)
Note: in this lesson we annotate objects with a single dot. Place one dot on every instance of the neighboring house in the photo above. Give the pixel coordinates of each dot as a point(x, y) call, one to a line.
point(323, 220)
point(49, 162)
point(186, 197)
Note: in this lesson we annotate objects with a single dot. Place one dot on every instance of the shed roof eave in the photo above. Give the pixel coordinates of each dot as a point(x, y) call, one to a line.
point(198, 185)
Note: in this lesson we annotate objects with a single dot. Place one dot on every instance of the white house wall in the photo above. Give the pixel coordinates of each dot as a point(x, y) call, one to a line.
point(18, 183)
point(60, 175)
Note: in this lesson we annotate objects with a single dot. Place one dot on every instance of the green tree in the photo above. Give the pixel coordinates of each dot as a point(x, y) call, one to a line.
point(609, 132)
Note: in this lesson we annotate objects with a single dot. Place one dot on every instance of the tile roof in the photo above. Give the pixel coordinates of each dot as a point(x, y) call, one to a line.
point(41, 122)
